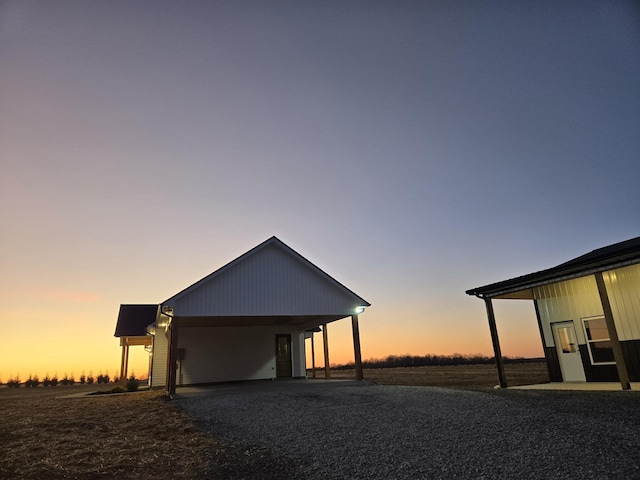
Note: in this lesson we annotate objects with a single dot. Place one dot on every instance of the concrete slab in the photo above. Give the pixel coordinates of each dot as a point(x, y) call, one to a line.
point(586, 386)
point(258, 385)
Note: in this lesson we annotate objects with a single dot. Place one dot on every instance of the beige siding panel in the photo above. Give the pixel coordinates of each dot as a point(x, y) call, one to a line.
point(271, 282)
point(623, 287)
point(579, 298)
point(570, 300)
point(159, 360)
point(220, 354)
point(298, 355)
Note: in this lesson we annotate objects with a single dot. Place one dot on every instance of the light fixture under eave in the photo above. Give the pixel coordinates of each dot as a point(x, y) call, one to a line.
point(359, 310)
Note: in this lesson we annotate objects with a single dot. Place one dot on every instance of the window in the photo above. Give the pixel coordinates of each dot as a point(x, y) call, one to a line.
point(598, 340)
point(567, 342)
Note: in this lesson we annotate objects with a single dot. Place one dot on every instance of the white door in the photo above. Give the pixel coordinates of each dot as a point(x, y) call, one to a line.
point(564, 334)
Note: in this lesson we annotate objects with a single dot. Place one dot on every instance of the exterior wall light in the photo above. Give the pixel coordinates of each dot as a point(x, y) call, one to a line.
point(359, 310)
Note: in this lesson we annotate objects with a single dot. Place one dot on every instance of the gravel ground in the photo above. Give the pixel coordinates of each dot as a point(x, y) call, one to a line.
point(308, 430)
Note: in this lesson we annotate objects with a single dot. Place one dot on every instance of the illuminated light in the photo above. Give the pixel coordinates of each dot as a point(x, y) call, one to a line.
point(359, 310)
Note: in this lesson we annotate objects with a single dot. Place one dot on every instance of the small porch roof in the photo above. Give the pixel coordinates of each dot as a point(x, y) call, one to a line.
point(134, 319)
point(618, 255)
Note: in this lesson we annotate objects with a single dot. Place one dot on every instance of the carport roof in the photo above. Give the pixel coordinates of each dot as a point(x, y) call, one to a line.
point(271, 241)
point(270, 284)
point(602, 259)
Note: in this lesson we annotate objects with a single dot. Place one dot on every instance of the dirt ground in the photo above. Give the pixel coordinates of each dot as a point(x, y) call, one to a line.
point(141, 435)
point(134, 435)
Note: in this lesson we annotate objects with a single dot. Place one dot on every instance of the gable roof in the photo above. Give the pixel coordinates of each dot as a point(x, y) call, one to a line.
point(602, 259)
point(134, 319)
point(270, 279)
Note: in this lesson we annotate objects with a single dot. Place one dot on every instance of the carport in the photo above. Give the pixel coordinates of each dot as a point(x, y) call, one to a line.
point(248, 320)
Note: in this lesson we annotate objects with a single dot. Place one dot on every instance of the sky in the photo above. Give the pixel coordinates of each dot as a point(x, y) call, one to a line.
point(412, 150)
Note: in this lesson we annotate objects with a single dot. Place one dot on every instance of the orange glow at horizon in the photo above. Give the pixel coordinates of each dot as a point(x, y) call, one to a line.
point(77, 335)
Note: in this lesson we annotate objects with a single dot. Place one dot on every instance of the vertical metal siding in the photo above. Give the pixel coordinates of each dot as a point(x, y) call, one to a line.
point(271, 282)
point(570, 300)
point(298, 355)
point(579, 298)
point(159, 361)
point(623, 287)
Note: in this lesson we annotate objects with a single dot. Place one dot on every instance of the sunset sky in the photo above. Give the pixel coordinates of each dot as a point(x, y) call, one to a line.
point(412, 150)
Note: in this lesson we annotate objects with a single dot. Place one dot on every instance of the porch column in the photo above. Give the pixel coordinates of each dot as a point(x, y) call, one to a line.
point(172, 361)
point(124, 362)
point(313, 357)
point(621, 366)
point(325, 341)
point(496, 343)
point(356, 347)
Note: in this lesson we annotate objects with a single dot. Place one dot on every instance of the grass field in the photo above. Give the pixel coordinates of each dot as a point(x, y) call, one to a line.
point(140, 435)
point(474, 377)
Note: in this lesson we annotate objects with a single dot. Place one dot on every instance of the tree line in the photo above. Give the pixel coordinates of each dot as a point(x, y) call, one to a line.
point(392, 361)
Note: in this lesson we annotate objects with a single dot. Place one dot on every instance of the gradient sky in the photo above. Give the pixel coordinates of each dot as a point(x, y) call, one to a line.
point(411, 149)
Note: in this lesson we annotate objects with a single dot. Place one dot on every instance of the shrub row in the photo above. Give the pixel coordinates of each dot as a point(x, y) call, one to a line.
point(392, 361)
point(48, 381)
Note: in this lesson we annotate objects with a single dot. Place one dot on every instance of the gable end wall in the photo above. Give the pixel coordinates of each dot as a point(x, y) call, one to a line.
point(271, 282)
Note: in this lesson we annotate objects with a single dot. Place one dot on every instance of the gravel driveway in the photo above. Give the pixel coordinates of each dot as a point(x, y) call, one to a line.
point(348, 430)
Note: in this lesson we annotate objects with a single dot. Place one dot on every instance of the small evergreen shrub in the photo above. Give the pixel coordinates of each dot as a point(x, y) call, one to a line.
point(14, 382)
point(54, 380)
point(132, 384)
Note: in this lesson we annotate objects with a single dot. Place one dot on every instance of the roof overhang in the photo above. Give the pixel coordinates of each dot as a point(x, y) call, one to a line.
point(615, 256)
point(304, 322)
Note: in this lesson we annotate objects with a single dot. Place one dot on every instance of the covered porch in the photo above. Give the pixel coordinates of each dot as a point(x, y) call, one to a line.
point(586, 310)
point(306, 325)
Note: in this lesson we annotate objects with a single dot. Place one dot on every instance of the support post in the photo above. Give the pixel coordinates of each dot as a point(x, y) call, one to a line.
point(172, 366)
point(313, 357)
point(325, 341)
point(124, 362)
point(621, 366)
point(496, 343)
point(357, 354)
point(167, 381)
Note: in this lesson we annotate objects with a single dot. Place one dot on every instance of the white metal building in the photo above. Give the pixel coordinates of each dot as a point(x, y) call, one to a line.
point(247, 320)
point(588, 312)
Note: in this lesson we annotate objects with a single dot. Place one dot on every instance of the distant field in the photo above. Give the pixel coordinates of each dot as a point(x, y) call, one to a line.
point(472, 377)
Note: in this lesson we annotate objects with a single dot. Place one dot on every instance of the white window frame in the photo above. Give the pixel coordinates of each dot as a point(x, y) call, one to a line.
point(584, 321)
